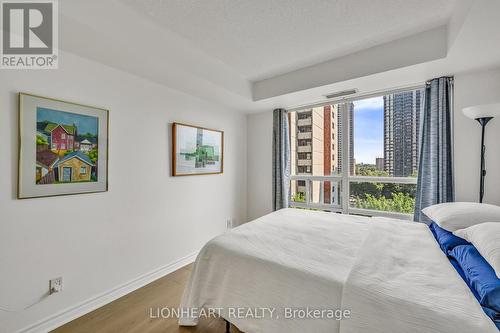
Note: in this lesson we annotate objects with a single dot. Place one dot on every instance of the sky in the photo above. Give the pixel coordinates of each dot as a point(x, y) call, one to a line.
point(368, 129)
point(84, 124)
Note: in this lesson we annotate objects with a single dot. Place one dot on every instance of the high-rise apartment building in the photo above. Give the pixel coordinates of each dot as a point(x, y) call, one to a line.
point(401, 131)
point(350, 111)
point(315, 149)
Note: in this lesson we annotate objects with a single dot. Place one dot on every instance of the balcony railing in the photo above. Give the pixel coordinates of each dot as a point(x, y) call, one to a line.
point(304, 162)
point(304, 149)
point(304, 135)
point(314, 194)
point(304, 122)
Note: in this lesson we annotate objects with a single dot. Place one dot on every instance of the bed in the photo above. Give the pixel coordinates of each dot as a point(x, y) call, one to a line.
point(389, 275)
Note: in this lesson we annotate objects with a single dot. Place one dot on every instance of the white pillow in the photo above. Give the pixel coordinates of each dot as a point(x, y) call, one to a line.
point(486, 238)
point(453, 216)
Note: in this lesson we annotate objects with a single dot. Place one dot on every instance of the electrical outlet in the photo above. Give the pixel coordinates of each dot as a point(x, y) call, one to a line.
point(229, 223)
point(55, 285)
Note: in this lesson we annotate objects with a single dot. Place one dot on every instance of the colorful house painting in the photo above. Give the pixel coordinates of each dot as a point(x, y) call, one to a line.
point(74, 167)
point(73, 138)
point(45, 163)
point(62, 137)
point(85, 145)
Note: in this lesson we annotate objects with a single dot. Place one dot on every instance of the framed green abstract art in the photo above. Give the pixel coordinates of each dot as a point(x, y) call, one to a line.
point(196, 150)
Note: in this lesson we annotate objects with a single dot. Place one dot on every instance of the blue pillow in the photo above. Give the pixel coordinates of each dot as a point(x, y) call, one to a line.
point(432, 226)
point(446, 240)
point(479, 275)
point(460, 272)
point(495, 316)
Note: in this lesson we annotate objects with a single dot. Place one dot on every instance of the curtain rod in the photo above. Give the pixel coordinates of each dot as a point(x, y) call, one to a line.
point(358, 97)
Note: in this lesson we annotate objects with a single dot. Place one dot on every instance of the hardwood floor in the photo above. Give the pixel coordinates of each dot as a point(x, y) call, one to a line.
point(131, 313)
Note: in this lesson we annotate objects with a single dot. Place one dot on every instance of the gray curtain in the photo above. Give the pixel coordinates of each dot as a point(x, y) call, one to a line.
point(281, 159)
point(435, 171)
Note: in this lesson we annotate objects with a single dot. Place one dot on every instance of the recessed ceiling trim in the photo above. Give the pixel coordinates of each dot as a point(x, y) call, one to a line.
point(420, 48)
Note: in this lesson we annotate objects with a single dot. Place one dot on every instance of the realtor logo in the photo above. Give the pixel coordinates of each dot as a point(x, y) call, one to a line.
point(29, 34)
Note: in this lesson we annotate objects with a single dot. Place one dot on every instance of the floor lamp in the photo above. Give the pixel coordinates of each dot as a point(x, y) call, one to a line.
point(482, 114)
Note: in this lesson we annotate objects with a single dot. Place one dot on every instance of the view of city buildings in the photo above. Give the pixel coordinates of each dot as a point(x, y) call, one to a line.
point(350, 112)
point(379, 163)
point(316, 149)
point(401, 130)
point(316, 143)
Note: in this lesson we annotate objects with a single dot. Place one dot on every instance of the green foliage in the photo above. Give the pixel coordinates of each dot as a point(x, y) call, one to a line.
point(381, 196)
point(41, 140)
point(377, 190)
point(93, 155)
point(299, 197)
point(370, 170)
point(91, 137)
point(398, 202)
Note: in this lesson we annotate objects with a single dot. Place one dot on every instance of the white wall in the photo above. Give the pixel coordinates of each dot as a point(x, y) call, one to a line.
point(146, 221)
point(472, 89)
point(260, 140)
point(416, 49)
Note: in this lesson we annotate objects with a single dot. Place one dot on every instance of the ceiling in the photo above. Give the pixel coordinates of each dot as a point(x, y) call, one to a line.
point(263, 38)
point(256, 55)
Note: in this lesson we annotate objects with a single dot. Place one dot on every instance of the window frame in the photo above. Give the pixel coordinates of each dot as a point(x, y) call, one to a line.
point(346, 178)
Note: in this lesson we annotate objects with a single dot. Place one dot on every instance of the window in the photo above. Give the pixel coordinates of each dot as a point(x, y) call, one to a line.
point(304, 156)
point(83, 170)
point(63, 136)
point(63, 146)
point(375, 140)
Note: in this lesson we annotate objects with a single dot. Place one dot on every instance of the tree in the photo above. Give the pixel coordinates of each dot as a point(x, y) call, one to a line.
point(299, 197)
point(41, 140)
point(381, 196)
point(370, 170)
point(93, 155)
point(399, 202)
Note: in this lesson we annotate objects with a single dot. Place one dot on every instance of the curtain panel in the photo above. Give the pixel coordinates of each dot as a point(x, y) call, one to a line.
point(281, 159)
point(435, 173)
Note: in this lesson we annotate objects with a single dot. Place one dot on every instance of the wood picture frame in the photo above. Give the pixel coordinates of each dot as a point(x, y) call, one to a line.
point(196, 150)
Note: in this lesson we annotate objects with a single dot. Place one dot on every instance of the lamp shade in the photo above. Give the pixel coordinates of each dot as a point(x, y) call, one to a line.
point(482, 111)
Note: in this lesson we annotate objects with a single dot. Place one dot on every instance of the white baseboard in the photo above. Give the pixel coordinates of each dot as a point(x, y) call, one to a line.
point(93, 303)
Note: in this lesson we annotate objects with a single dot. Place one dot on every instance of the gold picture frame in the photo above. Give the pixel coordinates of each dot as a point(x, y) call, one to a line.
point(202, 154)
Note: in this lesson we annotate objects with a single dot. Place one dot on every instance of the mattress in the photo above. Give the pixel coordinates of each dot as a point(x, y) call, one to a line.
point(292, 262)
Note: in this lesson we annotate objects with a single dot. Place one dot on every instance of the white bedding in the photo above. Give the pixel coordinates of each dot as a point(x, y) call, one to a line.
point(402, 282)
point(302, 259)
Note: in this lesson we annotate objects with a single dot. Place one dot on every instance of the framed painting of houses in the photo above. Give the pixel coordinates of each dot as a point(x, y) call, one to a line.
point(63, 148)
point(196, 150)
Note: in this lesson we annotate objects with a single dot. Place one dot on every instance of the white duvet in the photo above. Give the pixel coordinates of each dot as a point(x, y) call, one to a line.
point(389, 274)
